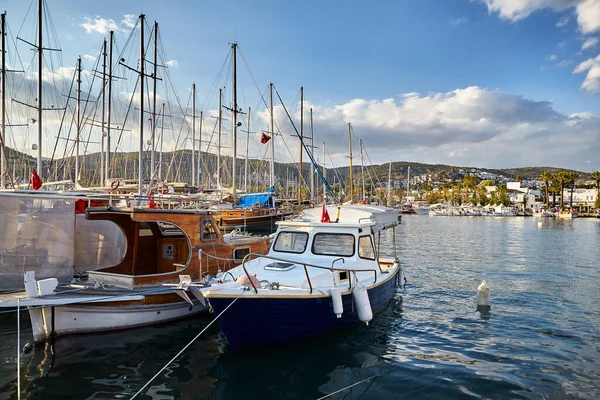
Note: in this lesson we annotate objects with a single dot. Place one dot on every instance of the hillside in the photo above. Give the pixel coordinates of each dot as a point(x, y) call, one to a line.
point(177, 167)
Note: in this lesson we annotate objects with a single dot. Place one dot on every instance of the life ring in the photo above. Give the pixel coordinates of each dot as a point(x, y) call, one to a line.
point(114, 185)
point(162, 189)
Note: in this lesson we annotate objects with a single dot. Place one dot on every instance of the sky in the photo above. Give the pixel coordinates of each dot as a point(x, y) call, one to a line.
point(482, 83)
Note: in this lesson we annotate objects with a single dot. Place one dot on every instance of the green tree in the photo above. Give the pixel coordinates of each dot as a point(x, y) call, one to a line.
point(572, 177)
point(546, 177)
point(596, 176)
point(561, 177)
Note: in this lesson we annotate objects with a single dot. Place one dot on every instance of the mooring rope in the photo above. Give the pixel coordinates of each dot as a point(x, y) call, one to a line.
point(349, 386)
point(186, 346)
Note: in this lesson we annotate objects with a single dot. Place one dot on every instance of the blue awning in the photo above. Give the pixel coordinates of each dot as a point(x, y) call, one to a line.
point(264, 199)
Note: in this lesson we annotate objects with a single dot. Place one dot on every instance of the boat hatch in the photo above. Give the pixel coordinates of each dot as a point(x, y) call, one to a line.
point(279, 266)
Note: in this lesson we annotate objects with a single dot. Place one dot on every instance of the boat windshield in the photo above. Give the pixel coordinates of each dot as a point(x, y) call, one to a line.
point(333, 244)
point(291, 242)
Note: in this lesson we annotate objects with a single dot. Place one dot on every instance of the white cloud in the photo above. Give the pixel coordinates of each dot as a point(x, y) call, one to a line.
point(552, 57)
point(129, 20)
point(89, 57)
point(590, 43)
point(515, 10)
point(101, 26)
point(564, 63)
point(459, 21)
point(468, 126)
point(563, 21)
point(587, 11)
point(172, 63)
point(588, 16)
point(591, 82)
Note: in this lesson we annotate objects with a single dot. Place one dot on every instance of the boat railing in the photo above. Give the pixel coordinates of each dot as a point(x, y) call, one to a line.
point(165, 202)
point(306, 265)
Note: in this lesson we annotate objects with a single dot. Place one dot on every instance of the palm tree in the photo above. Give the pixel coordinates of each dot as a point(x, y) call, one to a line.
point(572, 176)
point(546, 177)
point(561, 177)
point(596, 176)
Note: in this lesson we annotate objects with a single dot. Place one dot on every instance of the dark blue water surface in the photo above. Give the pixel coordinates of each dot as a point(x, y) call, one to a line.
point(540, 341)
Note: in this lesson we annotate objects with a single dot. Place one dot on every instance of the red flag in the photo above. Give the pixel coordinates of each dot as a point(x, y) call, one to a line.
point(264, 138)
point(152, 204)
point(325, 214)
point(35, 181)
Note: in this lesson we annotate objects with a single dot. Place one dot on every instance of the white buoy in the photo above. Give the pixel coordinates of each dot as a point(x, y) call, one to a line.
point(363, 305)
point(401, 279)
point(483, 296)
point(336, 297)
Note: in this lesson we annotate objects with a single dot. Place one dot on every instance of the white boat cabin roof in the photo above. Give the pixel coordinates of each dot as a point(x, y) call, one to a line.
point(350, 216)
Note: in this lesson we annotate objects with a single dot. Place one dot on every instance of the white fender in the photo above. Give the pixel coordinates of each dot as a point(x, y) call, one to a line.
point(363, 305)
point(483, 295)
point(336, 297)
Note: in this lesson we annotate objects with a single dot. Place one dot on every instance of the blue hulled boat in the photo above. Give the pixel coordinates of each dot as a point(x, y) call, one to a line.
point(318, 277)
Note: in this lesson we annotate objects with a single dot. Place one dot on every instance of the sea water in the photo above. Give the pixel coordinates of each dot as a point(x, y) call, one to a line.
point(540, 340)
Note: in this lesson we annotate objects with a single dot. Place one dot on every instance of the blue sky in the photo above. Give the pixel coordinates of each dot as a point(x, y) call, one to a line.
point(488, 83)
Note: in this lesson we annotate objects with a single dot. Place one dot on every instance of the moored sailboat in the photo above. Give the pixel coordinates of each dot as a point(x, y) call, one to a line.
point(175, 247)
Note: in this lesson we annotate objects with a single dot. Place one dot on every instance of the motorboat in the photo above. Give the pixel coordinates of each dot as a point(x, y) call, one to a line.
point(321, 274)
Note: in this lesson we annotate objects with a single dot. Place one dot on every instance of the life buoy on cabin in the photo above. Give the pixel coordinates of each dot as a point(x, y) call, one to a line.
point(162, 189)
point(114, 185)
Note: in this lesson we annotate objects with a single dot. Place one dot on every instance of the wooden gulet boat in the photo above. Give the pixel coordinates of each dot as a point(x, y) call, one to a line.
point(165, 249)
point(317, 277)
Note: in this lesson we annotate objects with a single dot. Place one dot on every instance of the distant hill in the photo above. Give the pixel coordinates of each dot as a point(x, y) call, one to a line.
point(177, 166)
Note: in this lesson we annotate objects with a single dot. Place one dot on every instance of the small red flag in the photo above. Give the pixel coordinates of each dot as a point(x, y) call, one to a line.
point(152, 204)
point(35, 181)
point(325, 214)
point(264, 138)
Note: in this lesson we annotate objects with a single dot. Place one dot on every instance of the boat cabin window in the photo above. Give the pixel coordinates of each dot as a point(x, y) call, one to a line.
point(333, 244)
point(365, 247)
point(291, 242)
point(208, 231)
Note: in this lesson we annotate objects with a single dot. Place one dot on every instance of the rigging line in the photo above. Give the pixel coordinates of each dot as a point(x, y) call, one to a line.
point(25, 18)
point(186, 346)
point(113, 162)
point(319, 172)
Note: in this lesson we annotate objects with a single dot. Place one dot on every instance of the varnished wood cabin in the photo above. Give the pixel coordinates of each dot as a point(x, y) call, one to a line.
point(163, 244)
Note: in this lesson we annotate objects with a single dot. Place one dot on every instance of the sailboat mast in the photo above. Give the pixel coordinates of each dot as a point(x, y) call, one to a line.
point(312, 169)
point(350, 147)
point(78, 122)
point(272, 177)
point(102, 179)
point(408, 183)
point(389, 188)
point(155, 67)
point(162, 131)
point(301, 139)
point(324, 177)
point(247, 143)
point(362, 171)
point(141, 150)
point(39, 88)
point(219, 138)
point(234, 118)
point(200, 149)
point(194, 172)
point(110, 63)
point(3, 165)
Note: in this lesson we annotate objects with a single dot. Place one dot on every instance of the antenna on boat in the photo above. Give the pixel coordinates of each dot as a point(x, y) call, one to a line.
point(272, 177)
point(300, 177)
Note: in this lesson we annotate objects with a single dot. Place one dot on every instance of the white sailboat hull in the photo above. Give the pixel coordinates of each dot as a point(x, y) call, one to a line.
point(77, 318)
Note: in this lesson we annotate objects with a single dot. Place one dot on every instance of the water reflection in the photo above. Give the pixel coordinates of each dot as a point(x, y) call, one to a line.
point(431, 342)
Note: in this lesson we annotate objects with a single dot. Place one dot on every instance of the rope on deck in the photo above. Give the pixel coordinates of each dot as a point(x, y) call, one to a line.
point(186, 346)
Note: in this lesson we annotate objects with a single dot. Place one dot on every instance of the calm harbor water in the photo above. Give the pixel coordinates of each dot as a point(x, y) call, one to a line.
point(540, 341)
